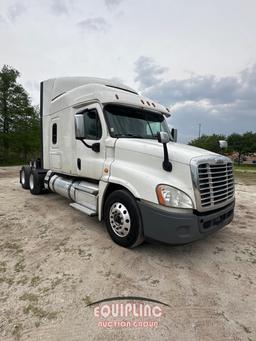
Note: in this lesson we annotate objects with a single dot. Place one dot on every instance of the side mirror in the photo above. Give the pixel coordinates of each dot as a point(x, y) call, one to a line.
point(79, 127)
point(223, 144)
point(174, 133)
point(163, 137)
point(80, 133)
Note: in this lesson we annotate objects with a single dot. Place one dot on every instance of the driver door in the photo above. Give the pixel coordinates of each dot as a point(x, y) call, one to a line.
point(90, 163)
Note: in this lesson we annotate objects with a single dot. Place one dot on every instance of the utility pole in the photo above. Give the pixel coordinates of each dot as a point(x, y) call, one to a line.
point(199, 131)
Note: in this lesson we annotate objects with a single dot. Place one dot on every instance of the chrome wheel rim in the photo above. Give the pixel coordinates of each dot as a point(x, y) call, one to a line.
point(119, 219)
point(23, 177)
point(31, 181)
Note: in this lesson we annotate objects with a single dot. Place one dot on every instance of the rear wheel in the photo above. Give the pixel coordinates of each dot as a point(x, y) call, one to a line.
point(24, 176)
point(36, 182)
point(122, 219)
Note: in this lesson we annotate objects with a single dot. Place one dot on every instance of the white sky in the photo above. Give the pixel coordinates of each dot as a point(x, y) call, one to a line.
point(105, 38)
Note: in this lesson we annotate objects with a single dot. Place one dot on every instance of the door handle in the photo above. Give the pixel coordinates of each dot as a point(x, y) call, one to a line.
point(78, 164)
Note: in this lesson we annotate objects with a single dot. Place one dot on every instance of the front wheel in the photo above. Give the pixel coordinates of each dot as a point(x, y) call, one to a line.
point(122, 219)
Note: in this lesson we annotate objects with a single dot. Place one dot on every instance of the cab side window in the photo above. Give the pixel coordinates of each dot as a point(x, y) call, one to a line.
point(153, 127)
point(92, 125)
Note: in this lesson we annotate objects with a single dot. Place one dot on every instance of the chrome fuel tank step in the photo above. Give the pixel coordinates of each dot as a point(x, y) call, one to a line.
point(83, 193)
point(83, 209)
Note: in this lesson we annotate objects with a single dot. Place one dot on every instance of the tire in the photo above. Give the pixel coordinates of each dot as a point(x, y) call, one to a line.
point(36, 182)
point(123, 220)
point(24, 176)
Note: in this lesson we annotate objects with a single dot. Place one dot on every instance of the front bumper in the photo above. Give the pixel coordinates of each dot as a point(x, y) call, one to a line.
point(179, 227)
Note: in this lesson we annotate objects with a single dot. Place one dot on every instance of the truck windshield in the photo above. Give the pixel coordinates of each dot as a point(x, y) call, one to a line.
point(132, 122)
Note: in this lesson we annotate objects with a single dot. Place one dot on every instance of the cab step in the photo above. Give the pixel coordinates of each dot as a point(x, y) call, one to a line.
point(83, 209)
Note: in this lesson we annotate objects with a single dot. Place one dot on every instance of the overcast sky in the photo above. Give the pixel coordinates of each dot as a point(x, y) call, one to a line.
point(198, 57)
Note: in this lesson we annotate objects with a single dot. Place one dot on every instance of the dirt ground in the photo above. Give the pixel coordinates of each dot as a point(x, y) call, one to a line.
point(54, 261)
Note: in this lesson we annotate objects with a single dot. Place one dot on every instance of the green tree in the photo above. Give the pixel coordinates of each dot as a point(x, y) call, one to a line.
point(209, 142)
point(19, 120)
point(243, 144)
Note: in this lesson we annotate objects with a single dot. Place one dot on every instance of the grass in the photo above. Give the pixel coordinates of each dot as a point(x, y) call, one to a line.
point(39, 312)
point(245, 174)
point(247, 168)
point(20, 265)
point(35, 281)
point(29, 297)
point(7, 280)
point(3, 266)
point(245, 178)
point(16, 248)
point(87, 300)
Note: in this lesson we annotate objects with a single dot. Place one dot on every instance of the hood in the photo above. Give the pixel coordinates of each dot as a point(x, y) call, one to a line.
point(177, 152)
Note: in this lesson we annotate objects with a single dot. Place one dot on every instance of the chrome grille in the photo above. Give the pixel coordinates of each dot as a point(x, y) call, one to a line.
point(213, 181)
point(216, 183)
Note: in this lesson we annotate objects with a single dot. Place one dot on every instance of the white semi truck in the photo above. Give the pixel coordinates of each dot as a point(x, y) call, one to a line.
point(110, 152)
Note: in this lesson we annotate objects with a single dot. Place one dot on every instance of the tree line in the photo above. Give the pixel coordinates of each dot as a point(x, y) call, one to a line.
point(242, 144)
point(19, 120)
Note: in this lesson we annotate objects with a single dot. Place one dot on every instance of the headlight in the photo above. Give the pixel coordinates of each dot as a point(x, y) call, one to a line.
point(173, 197)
